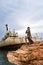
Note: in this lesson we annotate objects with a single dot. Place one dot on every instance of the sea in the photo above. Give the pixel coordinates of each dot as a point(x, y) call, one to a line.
point(3, 58)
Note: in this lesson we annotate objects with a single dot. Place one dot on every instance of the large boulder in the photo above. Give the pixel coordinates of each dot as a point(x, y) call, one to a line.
point(27, 55)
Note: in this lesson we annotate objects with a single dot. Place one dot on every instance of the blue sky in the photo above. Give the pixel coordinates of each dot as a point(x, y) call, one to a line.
point(19, 14)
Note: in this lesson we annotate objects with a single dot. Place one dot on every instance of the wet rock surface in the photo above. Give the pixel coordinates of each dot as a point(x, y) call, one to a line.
point(27, 55)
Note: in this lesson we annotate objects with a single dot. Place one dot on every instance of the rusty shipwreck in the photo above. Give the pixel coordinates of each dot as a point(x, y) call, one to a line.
point(12, 39)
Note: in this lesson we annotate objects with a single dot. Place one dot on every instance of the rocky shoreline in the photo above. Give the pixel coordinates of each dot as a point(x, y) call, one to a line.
point(27, 55)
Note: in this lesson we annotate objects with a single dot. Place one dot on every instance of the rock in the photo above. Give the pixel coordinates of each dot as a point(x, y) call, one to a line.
point(27, 55)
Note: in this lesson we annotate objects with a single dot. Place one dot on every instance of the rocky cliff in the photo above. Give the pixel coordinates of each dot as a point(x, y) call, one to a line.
point(27, 55)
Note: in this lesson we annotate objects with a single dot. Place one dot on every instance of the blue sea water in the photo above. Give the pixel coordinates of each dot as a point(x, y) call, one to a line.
point(3, 58)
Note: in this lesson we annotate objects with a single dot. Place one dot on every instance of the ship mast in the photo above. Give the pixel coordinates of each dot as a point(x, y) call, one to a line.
point(6, 27)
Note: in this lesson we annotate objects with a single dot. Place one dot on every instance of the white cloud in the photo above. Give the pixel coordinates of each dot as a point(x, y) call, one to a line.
point(36, 27)
point(20, 14)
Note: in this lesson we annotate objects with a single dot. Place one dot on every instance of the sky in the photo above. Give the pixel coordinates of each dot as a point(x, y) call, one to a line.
point(20, 14)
